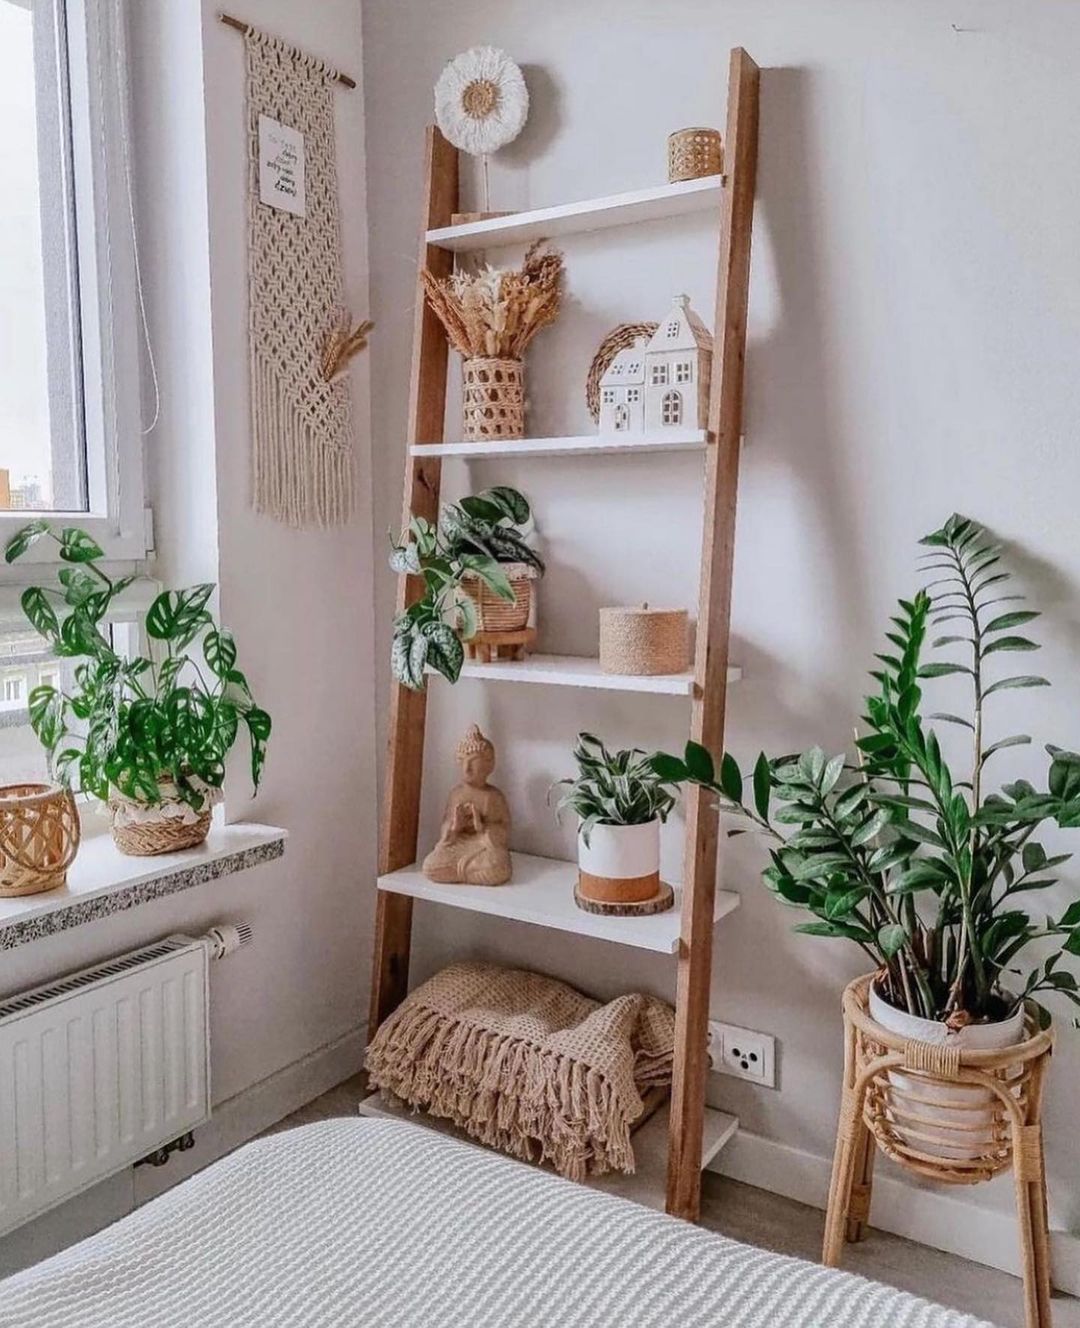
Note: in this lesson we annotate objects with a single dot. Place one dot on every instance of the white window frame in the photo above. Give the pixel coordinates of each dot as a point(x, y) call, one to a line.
point(107, 392)
point(671, 409)
point(659, 375)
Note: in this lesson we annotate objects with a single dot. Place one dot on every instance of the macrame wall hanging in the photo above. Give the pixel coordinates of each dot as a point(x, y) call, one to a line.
point(300, 330)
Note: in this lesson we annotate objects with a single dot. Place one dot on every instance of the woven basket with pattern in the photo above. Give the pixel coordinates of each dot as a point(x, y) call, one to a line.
point(170, 834)
point(493, 399)
point(39, 837)
point(495, 614)
point(693, 153)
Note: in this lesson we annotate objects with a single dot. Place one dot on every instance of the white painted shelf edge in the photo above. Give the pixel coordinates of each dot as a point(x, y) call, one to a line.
point(678, 440)
point(648, 1183)
point(582, 671)
point(542, 893)
point(587, 214)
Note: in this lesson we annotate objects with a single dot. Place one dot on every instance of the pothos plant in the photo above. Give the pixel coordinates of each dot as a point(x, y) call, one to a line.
point(472, 541)
point(127, 723)
point(928, 872)
point(614, 788)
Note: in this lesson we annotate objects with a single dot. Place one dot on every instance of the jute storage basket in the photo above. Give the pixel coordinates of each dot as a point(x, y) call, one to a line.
point(900, 1094)
point(39, 837)
point(493, 399)
point(693, 153)
point(495, 614)
point(643, 641)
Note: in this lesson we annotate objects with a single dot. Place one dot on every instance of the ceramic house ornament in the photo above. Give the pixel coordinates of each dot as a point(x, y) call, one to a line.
point(663, 386)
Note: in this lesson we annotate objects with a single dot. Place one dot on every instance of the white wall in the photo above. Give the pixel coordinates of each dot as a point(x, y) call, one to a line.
point(287, 1012)
point(914, 329)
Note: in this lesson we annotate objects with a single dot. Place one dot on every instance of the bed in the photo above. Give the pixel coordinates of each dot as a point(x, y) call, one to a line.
point(384, 1224)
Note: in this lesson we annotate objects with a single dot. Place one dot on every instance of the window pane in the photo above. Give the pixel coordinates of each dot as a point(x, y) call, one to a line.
point(41, 451)
point(25, 662)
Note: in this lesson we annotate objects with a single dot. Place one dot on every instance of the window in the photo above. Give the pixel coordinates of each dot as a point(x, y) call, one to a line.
point(633, 395)
point(609, 396)
point(622, 417)
point(684, 371)
point(659, 375)
point(13, 688)
point(70, 431)
point(671, 409)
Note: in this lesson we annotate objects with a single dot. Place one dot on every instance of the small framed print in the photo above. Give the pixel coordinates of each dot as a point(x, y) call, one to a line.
point(281, 166)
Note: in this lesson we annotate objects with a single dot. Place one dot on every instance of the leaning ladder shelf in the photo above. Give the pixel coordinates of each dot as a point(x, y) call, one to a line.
point(701, 903)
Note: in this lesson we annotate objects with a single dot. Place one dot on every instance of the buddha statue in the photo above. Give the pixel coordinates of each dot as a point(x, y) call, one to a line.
point(473, 847)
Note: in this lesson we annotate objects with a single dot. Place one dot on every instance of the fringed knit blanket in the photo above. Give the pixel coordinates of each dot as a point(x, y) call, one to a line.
point(526, 1064)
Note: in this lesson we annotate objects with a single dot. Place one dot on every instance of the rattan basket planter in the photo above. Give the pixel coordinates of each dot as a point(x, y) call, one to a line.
point(39, 837)
point(493, 399)
point(693, 153)
point(914, 1099)
point(159, 832)
point(495, 614)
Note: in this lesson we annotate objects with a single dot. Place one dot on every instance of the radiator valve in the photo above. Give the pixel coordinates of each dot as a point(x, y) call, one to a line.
point(227, 937)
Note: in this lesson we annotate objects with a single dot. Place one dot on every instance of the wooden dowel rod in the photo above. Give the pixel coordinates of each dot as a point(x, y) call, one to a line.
point(241, 26)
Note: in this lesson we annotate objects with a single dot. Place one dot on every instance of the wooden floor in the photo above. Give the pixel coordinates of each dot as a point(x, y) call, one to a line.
point(773, 1223)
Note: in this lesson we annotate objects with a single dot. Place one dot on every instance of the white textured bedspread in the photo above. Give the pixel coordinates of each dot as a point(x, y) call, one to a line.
point(373, 1224)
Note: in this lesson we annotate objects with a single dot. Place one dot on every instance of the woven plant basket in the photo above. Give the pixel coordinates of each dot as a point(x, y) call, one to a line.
point(495, 614)
point(493, 404)
point(146, 839)
point(692, 153)
point(39, 837)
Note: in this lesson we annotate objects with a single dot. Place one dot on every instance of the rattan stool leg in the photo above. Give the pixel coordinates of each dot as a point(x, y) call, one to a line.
point(843, 1173)
point(1030, 1176)
point(862, 1188)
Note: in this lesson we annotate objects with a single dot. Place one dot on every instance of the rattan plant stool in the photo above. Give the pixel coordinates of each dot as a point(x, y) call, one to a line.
point(914, 1101)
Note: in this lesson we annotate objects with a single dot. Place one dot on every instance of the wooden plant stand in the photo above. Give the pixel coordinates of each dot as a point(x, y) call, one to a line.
point(398, 852)
point(893, 1100)
point(486, 646)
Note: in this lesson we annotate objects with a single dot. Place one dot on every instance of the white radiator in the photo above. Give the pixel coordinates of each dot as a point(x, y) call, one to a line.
point(98, 1069)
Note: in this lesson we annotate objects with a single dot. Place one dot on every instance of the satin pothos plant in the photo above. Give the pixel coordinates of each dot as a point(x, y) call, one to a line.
point(128, 724)
point(472, 541)
point(929, 870)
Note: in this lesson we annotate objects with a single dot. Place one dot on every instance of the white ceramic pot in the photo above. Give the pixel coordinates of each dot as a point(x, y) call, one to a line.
point(964, 1106)
point(620, 864)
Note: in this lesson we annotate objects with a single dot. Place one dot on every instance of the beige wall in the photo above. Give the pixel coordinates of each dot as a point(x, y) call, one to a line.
point(914, 328)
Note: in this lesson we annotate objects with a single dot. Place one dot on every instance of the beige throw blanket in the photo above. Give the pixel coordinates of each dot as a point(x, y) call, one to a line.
point(526, 1064)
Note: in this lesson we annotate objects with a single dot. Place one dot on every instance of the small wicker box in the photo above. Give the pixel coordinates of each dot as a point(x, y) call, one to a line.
point(692, 153)
point(643, 641)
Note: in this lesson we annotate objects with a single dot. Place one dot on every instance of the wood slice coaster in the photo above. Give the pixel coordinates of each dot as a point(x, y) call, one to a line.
point(660, 903)
point(486, 646)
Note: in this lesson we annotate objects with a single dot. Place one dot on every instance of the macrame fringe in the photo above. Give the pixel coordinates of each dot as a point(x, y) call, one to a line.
point(533, 1104)
point(299, 477)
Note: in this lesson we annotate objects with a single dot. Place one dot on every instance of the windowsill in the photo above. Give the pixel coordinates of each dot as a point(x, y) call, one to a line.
point(102, 880)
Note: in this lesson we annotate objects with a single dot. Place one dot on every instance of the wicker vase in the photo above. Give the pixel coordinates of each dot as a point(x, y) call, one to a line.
point(39, 837)
point(493, 404)
point(495, 614)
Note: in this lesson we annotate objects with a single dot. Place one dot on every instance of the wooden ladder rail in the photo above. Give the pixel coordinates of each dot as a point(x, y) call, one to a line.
point(713, 634)
point(408, 709)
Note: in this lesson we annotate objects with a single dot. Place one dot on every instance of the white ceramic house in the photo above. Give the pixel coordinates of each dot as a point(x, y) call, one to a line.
point(664, 386)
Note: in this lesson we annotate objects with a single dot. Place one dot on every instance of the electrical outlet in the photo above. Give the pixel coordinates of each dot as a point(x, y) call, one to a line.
point(742, 1053)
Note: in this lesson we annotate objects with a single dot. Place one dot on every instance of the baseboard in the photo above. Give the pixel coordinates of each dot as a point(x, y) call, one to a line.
point(940, 1218)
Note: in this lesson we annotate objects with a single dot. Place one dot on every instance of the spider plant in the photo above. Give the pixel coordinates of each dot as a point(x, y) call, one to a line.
point(927, 871)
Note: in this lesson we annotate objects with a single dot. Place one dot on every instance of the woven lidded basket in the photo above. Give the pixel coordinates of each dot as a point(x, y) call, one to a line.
point(495, 614)
point(39, 837)
point(692, 153)
point(493, 399)
point(643, 641)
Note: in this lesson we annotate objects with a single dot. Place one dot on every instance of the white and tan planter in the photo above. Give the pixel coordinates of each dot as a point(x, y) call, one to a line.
point(620, 865)
point(953, 1118)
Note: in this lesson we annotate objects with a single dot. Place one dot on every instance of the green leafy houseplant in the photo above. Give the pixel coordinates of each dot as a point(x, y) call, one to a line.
point(614, 788)
point(473, 541)
point(927, 872)
point(128, 724)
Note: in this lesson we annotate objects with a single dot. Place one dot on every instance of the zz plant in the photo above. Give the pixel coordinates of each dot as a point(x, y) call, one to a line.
point(614, 788)
point(473, 540)
point(126, 723)
point(927, 871)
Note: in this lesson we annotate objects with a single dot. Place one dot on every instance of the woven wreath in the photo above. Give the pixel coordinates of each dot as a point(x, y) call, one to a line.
point(619, 338)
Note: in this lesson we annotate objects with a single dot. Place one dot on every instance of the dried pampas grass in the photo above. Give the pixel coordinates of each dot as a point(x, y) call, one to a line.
point(496, 312)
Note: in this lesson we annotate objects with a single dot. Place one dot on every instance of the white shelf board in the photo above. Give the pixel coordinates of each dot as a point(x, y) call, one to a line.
point(542, 893)
point(646, 1186)
point(102, 880)
point(673, 440)
point(581, 671)
point(589, 214)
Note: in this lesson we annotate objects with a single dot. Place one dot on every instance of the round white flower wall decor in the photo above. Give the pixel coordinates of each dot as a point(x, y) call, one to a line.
point(481, 101)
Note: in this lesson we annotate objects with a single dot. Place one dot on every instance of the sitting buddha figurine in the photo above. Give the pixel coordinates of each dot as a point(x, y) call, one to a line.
point(473, 847)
